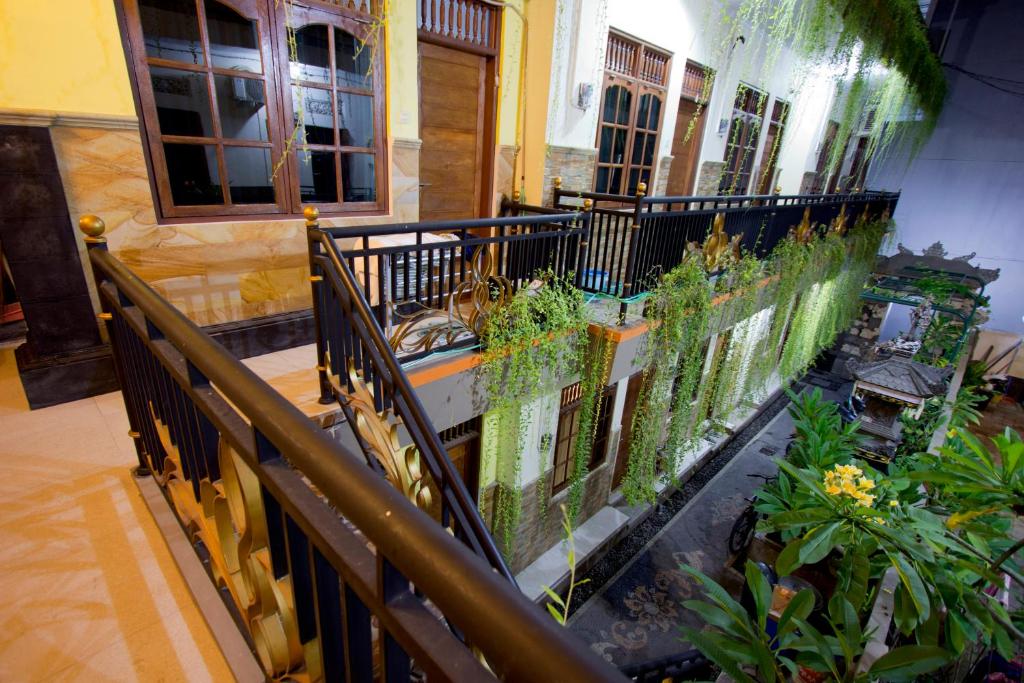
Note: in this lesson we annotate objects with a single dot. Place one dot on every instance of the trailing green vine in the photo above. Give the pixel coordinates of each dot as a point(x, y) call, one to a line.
point(592, 381)
point(524, 344)
point(745, 276)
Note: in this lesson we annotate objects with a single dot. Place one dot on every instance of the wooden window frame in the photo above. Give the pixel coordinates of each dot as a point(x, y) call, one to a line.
point(749, 107)
point(272, 42)
point(631, 70)
point(570, 409)
point(770, 154)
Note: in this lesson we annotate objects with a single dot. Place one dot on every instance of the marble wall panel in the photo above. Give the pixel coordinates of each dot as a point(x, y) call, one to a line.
point(214, 271)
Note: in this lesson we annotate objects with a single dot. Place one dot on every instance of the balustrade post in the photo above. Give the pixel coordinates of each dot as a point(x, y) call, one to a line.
point(581, 257)
point(633, 241)
point(93, 228)
point(316, 281)
point(556, 190)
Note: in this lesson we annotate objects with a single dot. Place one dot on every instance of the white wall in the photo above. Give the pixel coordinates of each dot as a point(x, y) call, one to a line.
point(687, 29)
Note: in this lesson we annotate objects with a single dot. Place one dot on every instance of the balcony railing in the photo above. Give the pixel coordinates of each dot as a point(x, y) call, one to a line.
point(332, 571)
point(635, 239)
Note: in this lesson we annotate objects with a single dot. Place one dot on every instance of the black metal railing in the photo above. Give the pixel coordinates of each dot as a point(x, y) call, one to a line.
point(421, 276)
point(635, 238)
point(331, 571)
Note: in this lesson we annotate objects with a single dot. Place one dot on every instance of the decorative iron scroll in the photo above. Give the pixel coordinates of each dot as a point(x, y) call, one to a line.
point(229, 521)
point(379, 431)
point(803, 232)
point(839, 222)
point(482, 293)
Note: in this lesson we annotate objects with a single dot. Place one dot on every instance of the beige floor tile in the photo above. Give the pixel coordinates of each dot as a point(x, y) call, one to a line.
point(88, 589)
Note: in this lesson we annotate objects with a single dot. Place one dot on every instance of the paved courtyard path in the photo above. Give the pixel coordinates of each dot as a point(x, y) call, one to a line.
point(635, 616)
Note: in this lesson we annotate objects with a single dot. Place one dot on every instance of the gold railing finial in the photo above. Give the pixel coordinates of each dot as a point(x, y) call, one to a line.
point(312, 215)
point(516, 195)
point(557, 182)
point(588, 204)
point(641, 189)
point(778, 189)
point(92, 227)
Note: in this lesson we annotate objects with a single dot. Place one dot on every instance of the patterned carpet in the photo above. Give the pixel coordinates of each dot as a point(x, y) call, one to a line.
point(635, 617)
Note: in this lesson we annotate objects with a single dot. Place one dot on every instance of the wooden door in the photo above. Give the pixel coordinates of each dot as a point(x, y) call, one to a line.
point(454, 128)
point(626, 435)
point(685, 152)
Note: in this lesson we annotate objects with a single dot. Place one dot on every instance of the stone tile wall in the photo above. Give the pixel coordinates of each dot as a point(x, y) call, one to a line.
point(858, 342)
point(575, 165)
point(661, 177)
point(708, 177)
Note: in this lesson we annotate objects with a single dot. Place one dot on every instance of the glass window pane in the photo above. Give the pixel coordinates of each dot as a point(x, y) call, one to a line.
point(655, 113)
point(249, 170)
point(171, 30)
point(611, 98)
point(638, 147)
point(605, 150)
point(633, 175)
point(316, 106)
point(355, 120)
point(242, 105)
point(649, 150)
point(313, 52)
point(616, 181)
point(358, 177)
point(602, 180)
point(643, 111)
point(625, 103)
point(193, 174)
point(352, 61)
point(182, 102)
point(619, 148)
point(233, 40)
point(317, 179)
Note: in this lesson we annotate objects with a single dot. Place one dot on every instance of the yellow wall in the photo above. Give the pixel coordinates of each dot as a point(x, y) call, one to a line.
point(64, 55)
point(540, 18)
point(402, 65)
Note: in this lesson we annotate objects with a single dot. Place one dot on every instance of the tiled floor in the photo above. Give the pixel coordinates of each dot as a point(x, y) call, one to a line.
point(88, 590)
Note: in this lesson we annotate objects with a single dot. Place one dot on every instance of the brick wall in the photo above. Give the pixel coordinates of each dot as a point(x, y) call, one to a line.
point(574, 164)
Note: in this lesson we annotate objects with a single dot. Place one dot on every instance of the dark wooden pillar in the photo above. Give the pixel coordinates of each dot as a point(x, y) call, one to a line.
point(64, 357)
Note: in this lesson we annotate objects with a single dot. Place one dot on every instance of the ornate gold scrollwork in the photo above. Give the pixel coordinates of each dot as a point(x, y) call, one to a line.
point(230, 521)
point(482, 292)
point(864, 217)
point(716, 246)
point(380, 432)
point(804, 232)
point(839, 222)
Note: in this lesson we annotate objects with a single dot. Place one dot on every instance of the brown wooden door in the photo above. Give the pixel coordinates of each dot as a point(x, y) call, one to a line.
point(454, 128)
point(685, 152)
point(626, 435)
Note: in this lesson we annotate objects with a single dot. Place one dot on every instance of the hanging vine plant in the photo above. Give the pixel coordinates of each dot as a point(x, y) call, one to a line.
point(537, 334)
point(594, 375)
point(681, 303)
point(745, 276)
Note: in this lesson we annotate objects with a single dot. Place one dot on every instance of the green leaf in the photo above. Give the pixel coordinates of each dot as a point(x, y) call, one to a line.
point(818, 543)
point(761, 591)
point(799, 607)
point(916, 590)
point(716, 616)
point(716, 654)
point(909, 661)
point(559, 617)
point(555, 597)
point(792, 518)
point(789, 559)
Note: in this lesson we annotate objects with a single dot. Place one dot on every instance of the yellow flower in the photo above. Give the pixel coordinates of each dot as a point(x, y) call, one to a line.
point(879, 520)
point(865, 484)
point(894, 503)
point(833, 490)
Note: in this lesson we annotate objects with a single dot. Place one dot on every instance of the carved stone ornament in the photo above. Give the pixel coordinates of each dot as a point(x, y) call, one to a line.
point(230, 522)
point(804, 232)
point(716, 246)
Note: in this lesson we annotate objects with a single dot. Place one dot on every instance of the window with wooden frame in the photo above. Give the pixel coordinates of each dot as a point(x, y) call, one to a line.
point(772, 144)
point(741, 145)
point(220, 96)
point(633, 95)
point(568, 432)
point(821, 168)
